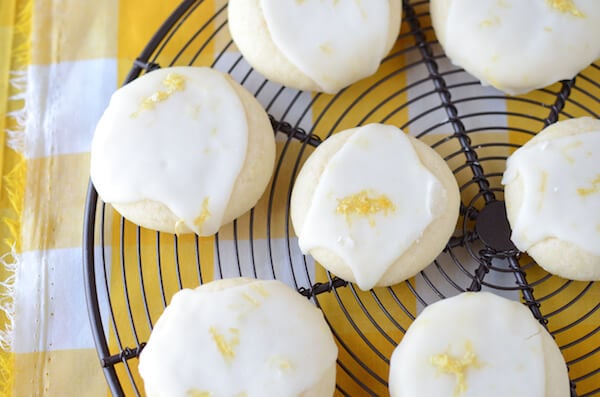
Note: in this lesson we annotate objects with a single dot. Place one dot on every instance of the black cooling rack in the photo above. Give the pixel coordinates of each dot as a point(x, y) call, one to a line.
point(455, 115)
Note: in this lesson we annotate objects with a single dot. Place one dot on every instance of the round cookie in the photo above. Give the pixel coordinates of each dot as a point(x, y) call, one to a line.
point(518, 45)
point(306, 45)
point(552, 194)
point(477, 344)
point(374, 205)
point(182, 149)
point(239, 337)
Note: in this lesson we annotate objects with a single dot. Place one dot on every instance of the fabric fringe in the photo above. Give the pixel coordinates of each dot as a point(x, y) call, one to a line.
point(20, 55)
point(7, 290)
point(15, 137)
point(13, 185)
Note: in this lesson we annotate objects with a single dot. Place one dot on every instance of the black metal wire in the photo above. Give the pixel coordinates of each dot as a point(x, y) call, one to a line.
point(141, 274)
point(91, 291)
point(577, 322)
point(378, 327)
point(197, 256)
point(125, 284)
point(465, 264)
point(160, 272)
point(387, 312)
point(346, 346)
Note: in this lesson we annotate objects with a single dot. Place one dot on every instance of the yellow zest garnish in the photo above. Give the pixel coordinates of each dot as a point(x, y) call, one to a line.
point(198, 393)
point(281, 363)
point(542, 189)
point(204, 214)
point(149, 102)
point(250, 299)
point(566, 6)
point(173, 82)
point(260, 289)
point(326, 48)
point(595, 188)
point(358, 3)
point(457, 366)
point(226, 347)
point(490, 22)
point(565, 151)
point(364, 203)
point(544, 182)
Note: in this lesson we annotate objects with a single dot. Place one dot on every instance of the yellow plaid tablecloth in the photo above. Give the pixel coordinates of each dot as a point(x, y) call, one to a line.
point(60, 60)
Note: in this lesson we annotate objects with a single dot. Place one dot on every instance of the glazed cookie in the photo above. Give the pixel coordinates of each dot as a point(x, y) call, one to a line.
point(477, 344)
point(552, 194)
point(374, 206)
point(519, 45)
point(315, 45)
point(182, 149)
point(240, 337)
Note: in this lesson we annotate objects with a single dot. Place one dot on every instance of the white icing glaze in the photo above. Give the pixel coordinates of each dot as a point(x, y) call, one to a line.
point(501, 336)
point(561, 196)
point(378, 160)
point(334, 42)
point(182, 146)
point(520, 45)
point(273, 343)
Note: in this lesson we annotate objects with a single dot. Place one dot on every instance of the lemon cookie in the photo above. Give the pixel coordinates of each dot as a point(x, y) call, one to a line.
point(182, 149)
point(239, 337)
point(477, 344)
point(519, 45)
point(374, 206)
point(314, 44)
point(552, 194)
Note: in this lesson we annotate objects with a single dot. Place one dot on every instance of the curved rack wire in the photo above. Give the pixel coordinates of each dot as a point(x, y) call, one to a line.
point(132, 272)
